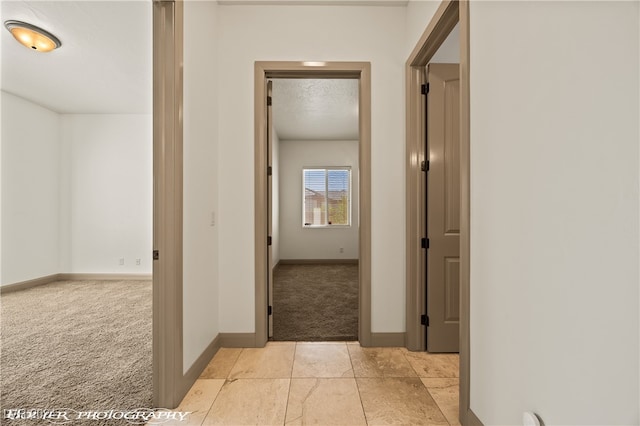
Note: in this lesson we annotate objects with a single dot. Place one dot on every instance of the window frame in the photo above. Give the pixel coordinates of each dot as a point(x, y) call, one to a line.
point(326, 198)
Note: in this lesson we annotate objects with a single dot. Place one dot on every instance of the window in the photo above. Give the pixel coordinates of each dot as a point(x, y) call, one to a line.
point(326, 196)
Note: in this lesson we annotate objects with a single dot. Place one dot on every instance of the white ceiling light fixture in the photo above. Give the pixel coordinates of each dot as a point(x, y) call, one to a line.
point(32, 37)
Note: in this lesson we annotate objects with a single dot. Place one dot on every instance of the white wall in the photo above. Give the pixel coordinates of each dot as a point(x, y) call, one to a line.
point(107, 192)
point(30, 190)
point(298, 242)
point(200, 239)
point(554, 211)
point(76, 192)
point(314, 33)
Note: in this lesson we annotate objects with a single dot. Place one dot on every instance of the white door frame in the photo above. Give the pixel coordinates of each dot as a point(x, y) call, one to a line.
point(356, 70)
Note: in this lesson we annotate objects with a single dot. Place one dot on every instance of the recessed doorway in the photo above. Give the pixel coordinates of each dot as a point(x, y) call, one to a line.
point(264, 180)
point(314, 138)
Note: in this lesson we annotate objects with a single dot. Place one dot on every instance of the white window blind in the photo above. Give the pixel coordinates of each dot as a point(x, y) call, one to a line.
point(327, 196)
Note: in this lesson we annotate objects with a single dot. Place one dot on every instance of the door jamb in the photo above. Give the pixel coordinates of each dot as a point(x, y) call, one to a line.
point(449, 13)
point(361, 71)
point(168, 379)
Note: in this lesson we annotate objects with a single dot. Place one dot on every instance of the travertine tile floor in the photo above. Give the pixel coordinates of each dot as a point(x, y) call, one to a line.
point(288, 383)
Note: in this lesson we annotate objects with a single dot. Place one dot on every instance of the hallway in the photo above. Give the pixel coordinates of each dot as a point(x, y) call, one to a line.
point(324, 383)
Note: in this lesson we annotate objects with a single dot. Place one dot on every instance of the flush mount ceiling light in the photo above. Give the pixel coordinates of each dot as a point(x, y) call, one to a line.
point(32, 37)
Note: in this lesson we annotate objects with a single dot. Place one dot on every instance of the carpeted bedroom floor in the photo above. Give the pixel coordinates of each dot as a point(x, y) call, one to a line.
point(77, 345)
point(315, 302)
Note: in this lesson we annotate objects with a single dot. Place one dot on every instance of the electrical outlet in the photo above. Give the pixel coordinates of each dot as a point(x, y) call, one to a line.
point(213, 219)
point(138, 262)
point(121, 261)
point(341, 249)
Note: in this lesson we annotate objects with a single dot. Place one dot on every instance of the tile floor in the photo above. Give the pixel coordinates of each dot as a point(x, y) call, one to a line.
point(288, 383)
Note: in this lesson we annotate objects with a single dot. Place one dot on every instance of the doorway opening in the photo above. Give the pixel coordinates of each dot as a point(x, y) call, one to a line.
point(449, 14)
point(317, 218)
point(313, 144)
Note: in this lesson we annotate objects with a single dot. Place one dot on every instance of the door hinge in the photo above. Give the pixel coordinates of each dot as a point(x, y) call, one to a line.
point(424, 89)
point(269, 170)
point(424, 320)
point(269, 310)
point(269, 101)
point(424, 166)
point(424, 243)
point(269, 240)
point(156, 254)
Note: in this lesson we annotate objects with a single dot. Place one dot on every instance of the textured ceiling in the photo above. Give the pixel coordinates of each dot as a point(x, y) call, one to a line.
point(315, 2)
point(315, 109)
point(103, 66)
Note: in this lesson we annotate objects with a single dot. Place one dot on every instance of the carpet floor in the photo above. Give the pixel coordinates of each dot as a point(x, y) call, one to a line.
point(77, 345)
point(315, 302)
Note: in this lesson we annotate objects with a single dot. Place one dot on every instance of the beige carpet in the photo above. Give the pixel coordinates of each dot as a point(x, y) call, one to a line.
point(77, 345)
point(315, 302)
